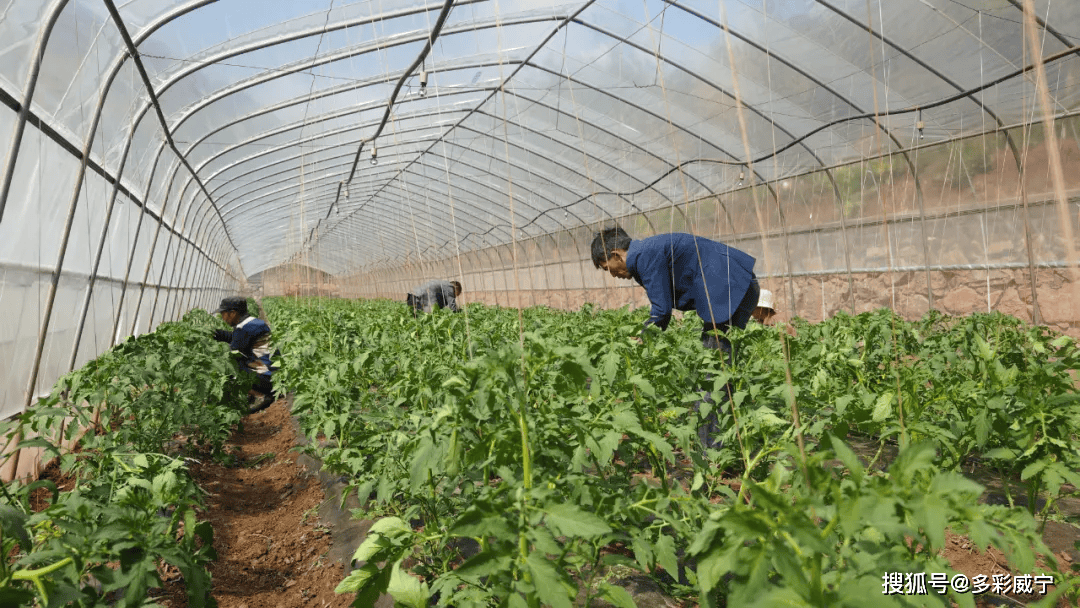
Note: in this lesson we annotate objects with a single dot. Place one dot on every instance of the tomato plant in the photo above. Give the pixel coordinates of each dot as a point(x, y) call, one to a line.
point(133, 506)
point(545, 442)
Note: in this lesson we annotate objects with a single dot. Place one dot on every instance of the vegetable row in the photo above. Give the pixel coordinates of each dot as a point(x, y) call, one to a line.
point(146, 406)
point(529, 458)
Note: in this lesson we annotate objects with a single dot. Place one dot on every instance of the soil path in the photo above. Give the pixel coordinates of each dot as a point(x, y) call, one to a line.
point(271, 545)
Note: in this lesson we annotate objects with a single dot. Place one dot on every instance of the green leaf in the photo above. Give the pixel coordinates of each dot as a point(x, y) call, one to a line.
point(643, 551)
point(570, 520)
point(10, 596)
point(477, 522)
point(983, 347)
point(847, 456)
point(617, 596)
point(933, 520)
point(407, 589)
point(643, 385)
point(546, 579)
point(13, 522)
point(1032, 469)
point(841, 403)
point(358, 579)
point(665, 555)
point(883, 407)
point(380, 537)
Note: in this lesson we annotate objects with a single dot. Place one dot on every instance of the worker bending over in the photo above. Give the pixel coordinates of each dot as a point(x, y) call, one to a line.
point(434, 294)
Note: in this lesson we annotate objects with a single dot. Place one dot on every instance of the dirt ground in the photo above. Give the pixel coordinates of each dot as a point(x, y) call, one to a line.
point(272, 548)
point(969, 561)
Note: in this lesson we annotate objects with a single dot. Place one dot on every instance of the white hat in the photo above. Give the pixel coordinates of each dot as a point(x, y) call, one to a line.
point(765, 299)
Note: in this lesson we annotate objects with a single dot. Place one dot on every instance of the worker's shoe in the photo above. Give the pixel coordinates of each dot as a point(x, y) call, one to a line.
point(260, 403)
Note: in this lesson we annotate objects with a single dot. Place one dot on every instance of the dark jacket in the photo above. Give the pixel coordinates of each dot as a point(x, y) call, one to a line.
point(684, 272)
point(252, 338)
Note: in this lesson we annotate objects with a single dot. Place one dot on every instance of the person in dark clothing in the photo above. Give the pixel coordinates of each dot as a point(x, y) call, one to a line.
point(685, 272)
point(251, 338)
point(434, 294)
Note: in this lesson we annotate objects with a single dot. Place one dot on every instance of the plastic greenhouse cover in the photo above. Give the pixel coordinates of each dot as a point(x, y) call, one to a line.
point(568, 113)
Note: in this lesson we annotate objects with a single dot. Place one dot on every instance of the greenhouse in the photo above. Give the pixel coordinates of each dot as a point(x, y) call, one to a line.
point(902, 176)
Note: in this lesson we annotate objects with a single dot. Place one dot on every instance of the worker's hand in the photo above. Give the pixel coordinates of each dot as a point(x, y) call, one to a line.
point(637, 339)
point(222, 335)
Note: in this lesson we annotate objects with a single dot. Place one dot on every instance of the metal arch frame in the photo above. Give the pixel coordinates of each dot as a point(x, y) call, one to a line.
point(322, 93)
point(510, 164)
point(313, 138)
point(191, 205)
point(491, 186)
point(196, 65)
point(133, 52)
point(902, 151)
point(394, 226)
point(65, 144)
point(347, 234)
point(114, 70)
point(138, 228)
point(587, 122)
point(241, 208)
point(631, 104)
point(470, 215)
point(24, 115)
point(227, 212)
point(1043, 24)
point(532, 54)
point(752, 107)
point(753, 170)
point(45, 33)
point(969, 95)
point(80, 176)
point(176, 216)
point(201, 276)
point(828, 172)
point(1014, 153)
point(84, 309)
point(409, 117)
point(443, 137)
point(285, 147)
point(117, 187)
point(306, 65)
point(164, 264)
point(339, 91)
point(195, 277)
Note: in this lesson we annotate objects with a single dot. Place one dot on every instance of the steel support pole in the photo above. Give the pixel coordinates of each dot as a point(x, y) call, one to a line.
point(44, 34)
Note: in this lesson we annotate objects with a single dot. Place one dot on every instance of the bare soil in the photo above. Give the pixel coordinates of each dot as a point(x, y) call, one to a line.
point(271, 545)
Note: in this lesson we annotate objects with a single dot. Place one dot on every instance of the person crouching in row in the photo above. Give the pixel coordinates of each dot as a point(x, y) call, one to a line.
point(251, 337)
point(432, 295)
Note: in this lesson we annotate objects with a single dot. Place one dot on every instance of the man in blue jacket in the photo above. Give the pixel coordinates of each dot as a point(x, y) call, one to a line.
point(685, 272)
point(251, 337)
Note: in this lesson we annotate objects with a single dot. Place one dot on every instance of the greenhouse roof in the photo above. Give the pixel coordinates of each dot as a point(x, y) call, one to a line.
point(367, 133)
